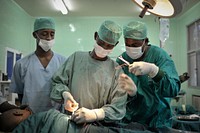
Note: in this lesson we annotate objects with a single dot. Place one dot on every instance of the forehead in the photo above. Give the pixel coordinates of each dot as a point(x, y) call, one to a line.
point(46, 30)
point(102, 43)
point(16, 112)
point(130, 40)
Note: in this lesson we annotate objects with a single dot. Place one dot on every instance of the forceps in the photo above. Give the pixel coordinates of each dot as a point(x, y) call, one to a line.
point(122, 59)
point(126, 63)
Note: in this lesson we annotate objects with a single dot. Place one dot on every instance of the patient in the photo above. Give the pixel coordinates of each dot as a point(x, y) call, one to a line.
point(52, 121)
point(11, 118)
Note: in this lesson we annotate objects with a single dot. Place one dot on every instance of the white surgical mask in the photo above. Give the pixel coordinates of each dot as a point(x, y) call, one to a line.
point(46, 45)
point(101, 52)
point(134, 52)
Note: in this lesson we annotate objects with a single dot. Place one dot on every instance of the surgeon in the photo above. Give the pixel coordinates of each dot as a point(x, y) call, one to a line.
point(89, 80)
point(152, 78)
point(31, 78)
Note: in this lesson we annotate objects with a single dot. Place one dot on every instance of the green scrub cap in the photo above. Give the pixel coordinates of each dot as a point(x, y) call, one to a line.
point(135, 30)
point(110, 32)
point(44, 23)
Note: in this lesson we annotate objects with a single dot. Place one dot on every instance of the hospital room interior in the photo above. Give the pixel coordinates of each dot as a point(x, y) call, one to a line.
point(177, 33)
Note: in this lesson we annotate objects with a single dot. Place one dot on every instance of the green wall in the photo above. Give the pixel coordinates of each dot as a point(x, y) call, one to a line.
point(181, 47)
point(16, 33)
point(83, 38)
point(14, 29)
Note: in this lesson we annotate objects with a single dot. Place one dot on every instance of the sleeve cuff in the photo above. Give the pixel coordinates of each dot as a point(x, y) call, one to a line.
point(100, 114)
point(159, 76)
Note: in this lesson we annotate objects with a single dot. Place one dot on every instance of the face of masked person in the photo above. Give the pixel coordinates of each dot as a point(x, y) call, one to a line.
point(45, 39)
point(46, 45)
point(101, 52)
point(134, 52)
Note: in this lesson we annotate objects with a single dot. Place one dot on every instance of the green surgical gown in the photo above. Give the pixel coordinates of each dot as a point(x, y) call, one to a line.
point(92, 83)
point(151, 104)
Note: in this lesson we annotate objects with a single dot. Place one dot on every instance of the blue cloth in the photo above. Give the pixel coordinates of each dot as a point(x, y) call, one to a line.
point(32, 80)
point(151, 106)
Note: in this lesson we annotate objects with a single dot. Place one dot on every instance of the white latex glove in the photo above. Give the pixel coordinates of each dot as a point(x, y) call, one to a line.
point(126, 83)
point(84, 115)
point(70, 104)
point(143, 68)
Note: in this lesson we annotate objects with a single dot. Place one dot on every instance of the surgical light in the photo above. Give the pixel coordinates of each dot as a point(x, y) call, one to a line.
point(161, 8)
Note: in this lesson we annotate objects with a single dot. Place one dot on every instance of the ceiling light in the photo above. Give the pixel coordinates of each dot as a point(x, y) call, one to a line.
point(147, 13)
point(69, 4)
point(60, 5)
point(162, 8)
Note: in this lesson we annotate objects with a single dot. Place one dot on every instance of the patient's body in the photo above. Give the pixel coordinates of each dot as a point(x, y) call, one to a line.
point(11, 118)
point(51, 121)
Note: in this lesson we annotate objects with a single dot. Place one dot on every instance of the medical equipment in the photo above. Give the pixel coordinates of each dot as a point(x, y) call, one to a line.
point(188, 117)
point(164, 31)
point(126, 63)
point(122, 59)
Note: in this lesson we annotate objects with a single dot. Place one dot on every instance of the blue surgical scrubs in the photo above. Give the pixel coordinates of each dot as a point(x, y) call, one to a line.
point(32, 80)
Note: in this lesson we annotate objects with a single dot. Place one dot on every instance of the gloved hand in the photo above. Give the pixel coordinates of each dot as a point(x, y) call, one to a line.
point(126, 83)
point(84, 115)
point(143, 68)
point(70, 104)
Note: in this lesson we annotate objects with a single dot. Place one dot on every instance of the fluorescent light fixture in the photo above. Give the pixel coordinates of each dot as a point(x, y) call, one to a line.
point(60, 5)
point(162, 8)
point(69, 5)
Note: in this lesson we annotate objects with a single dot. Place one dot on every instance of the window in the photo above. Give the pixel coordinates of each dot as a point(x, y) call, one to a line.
point(193, 53)
point(196, 102)
point(11, 57)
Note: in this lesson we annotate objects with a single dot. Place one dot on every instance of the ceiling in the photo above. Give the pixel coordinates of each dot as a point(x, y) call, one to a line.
point(85, 8)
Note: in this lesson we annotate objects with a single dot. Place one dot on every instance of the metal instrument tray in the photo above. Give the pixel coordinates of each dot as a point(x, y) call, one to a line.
point(187, 118)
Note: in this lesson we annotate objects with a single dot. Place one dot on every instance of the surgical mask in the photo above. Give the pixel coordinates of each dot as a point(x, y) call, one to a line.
point(134, 52)
point(46, 45)
point(101, 52)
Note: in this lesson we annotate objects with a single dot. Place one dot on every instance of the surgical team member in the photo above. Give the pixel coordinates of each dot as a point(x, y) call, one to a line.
point(31, 78)
point(154, 78)
point(90, 80)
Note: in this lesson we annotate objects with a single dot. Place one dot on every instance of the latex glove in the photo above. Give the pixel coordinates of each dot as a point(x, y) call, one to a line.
point(126, 83)
point(143, 68)
point(70, 104)
point(84, 115)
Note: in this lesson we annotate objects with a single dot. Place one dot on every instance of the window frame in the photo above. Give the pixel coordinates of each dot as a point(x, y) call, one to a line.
point(15, 53)
point(193, 53)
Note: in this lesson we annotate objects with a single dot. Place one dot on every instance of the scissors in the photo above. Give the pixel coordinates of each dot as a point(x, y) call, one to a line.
point(122, 59)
